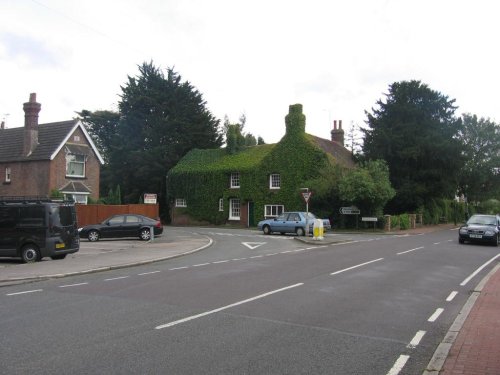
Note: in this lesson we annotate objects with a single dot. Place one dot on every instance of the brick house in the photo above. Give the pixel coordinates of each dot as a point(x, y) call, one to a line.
point(216, 187)
point(39, 158)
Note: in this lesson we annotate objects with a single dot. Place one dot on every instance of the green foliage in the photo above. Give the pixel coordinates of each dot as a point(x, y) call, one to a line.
point(490, 207)
point(414, 130)
point(368, 187)
point(113, 197)
point(56, 194)
point(479, 176)
point(202, 177)
point(404, 221)
point(161, 118)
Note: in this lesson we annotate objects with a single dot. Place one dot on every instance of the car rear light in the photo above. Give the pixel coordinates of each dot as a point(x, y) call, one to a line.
point(158, 224)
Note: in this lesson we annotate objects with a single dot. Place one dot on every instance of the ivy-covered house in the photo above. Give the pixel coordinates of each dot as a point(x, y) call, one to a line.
point(216, 187)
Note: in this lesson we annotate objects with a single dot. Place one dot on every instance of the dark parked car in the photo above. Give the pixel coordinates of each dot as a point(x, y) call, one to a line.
point(291, 222)
point(481, 228)
point(117, 226)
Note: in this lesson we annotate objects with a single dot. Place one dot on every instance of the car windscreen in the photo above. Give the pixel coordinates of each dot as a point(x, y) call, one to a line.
point(482, 220)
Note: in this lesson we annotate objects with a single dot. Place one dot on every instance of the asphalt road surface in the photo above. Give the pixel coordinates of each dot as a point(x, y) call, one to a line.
point(249, 304)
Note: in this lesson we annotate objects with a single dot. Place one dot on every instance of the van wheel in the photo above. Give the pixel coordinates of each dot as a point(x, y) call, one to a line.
point(144, 234)
point(93, 236)
point(56, 257)
point(30, 254)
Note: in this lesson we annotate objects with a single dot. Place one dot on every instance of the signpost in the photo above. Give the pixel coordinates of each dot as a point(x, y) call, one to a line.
point(372, 219)
point(150, 198)
point(349, 210)
point(306, 195)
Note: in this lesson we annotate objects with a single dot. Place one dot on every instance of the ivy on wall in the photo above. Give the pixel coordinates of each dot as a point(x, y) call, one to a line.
point(202, 177)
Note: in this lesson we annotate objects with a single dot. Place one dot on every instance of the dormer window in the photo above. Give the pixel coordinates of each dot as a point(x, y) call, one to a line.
point(235, 180)
point(274, 181)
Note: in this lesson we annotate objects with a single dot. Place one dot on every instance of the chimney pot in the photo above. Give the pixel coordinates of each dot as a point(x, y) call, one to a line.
point(31, 110)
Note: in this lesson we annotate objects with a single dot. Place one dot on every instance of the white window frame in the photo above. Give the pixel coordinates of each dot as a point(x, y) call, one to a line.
point(221, 204)
point(234, 209)
point(180, 202)
point(72, 159)
point(7, 174)
point(274, 181)
point(273, 210)
point(235, 180)
point(77, 198)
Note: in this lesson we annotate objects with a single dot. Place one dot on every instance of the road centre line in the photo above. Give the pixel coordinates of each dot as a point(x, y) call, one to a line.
point(409, 251)
point(416, 340)
point(436, 314)
point(359, 265)
point(399, 364)
point(451, 296)
point(25, 292)
point(171, 324)
point(178, 268)
point(257, 256)
point(201, 264)
point(117, 278)
point(478, 270)
point(221, 261)
point(147, 273)
point(70, 285)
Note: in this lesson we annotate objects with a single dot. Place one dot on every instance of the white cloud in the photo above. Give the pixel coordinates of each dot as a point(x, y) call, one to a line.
point(337, 58)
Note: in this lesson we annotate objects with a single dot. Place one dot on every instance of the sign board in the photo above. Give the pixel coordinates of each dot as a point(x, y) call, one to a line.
point(150, 198)
point(350, 210)
point(369, 219)
point(306, 195)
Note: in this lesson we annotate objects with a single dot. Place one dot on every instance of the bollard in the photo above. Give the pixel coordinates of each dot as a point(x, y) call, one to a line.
point(318, 229)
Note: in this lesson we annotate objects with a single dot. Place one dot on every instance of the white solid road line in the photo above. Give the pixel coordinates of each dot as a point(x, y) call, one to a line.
point(478, 270)
point(226, 307)
point(25, 292)
point(359, 265)
point(70, 285)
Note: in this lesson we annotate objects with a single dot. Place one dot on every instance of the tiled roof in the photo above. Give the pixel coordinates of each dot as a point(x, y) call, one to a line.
point(335, 149)
point(75, 187)
point(50, 137)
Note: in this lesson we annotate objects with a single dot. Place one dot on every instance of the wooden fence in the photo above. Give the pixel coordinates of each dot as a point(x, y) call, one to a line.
point(95, 213)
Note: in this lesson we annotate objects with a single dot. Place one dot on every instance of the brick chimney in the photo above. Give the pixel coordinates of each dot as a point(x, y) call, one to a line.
point(31, 110)
point(337, 134)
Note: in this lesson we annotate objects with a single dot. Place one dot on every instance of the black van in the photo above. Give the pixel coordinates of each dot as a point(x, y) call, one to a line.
point(35, 227)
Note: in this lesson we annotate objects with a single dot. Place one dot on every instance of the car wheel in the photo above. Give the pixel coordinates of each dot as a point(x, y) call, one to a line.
point(461, 240)
point(266, 229)
point(57, 257)
point(93, 236)
point(300, 231)
point(144, 234)
point(30, 254)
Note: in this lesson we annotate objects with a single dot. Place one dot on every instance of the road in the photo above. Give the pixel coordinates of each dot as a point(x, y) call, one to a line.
point(249, 304)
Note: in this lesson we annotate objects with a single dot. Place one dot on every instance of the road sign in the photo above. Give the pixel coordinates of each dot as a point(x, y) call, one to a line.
point(369, 219)
point(349, 210)
point(306, 195)
point(150, 198)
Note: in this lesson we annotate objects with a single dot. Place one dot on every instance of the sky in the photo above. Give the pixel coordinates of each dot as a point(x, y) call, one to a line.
point(336, 58)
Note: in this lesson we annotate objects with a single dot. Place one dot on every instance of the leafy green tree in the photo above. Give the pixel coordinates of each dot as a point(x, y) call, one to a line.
point(479, 176)
point(415, 131)
point(161, 118)
point(236, 138)
point(368, 187)
point(102, 127)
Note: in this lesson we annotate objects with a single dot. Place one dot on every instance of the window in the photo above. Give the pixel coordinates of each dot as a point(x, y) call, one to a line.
point(7, 174)
point(132, 219)
point(234, 209)
point(75, 165)
point(273, 210)
point(235, 180)
point(274, 181)
point(221, 204)
point(180, 202)
point(77, 198)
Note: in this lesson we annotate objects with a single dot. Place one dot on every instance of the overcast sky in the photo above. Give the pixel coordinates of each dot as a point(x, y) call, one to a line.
point(255, 57)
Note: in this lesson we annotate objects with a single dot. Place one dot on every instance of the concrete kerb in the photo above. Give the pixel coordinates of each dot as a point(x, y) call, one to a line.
point(26, 280)
point(438, 359)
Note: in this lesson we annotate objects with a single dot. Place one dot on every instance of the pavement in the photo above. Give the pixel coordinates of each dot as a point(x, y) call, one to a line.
point(471, 346)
